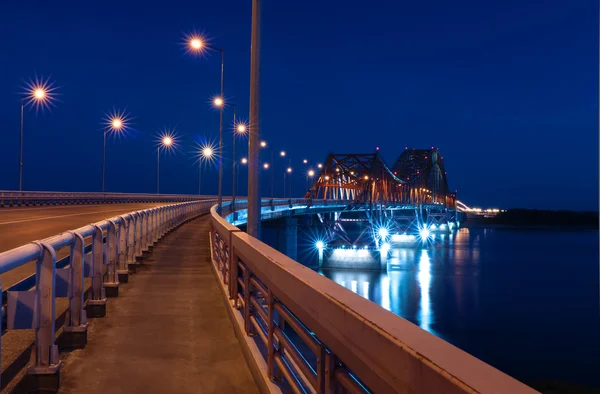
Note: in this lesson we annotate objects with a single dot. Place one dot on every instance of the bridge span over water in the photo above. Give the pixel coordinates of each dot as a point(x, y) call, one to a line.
point(135, 295)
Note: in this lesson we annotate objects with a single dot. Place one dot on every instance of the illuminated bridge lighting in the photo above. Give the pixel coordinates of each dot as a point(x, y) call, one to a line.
point(343, 252)
point(383, 232)
point(424, 233)
point(385, 248)
point(403, 237)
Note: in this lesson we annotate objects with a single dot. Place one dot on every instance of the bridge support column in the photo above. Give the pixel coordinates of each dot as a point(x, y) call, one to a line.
point(288, 237)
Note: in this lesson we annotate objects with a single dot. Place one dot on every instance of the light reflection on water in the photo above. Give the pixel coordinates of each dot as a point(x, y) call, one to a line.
point(501, 295)
point(409, 270)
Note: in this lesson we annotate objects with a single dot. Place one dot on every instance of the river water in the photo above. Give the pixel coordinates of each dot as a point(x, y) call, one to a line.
point(523, 300)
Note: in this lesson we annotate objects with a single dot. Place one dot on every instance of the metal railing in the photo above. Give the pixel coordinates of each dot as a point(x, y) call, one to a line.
point(10, 198)
point(317, 336)
point(115, 244)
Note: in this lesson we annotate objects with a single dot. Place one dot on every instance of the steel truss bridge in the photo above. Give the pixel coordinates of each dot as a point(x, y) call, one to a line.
point(410, 197)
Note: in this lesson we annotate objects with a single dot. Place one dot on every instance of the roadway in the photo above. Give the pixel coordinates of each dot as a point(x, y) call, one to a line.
point(21, 225)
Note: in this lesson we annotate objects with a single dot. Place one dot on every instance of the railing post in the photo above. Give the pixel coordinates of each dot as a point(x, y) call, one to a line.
point(270, 346)
point(164, 220)
point(96, 306)
point(331, 386)
point(166, 211)
point(247, 295)
point(158, 223)
point(149, 236)
point(123, 237)
point(45, 362)
point(170, 218)
point(145, 228)
point(75, 330)
point(233, 271)
point(111, 284)
point(138, 236)
point(155, 227)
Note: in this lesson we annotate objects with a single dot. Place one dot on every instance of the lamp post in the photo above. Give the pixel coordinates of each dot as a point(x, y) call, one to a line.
point(116, 122)
point(239, 129)
point(288, 171)
point(244, 161)
point(166, 142)
point(282, 155)
point(253, 226)
point(206, 153)
point(197, 45)
point(309, 176)
point(263, 144)
point(41, 94)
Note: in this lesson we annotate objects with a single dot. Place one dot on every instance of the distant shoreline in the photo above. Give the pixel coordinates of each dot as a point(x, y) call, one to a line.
point(539, 219)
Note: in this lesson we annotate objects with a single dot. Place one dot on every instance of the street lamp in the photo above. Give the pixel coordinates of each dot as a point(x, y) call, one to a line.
point(287, 171)
point(115, 122)
point(253, 226)
point(39, 93)
point(309, 175)
point(206, 153)
point(167, 142)
point(239, 129)
point(197, 45)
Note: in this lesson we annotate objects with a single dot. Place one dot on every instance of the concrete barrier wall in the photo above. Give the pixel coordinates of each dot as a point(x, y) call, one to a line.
point(368, 344)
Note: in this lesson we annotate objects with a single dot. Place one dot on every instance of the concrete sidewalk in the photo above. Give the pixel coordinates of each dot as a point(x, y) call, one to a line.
point(167, 332)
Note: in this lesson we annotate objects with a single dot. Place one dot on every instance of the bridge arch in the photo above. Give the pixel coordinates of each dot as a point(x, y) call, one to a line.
point(423, 170)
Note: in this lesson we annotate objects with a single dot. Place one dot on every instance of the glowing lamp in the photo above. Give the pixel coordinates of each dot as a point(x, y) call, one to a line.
point(383, 232)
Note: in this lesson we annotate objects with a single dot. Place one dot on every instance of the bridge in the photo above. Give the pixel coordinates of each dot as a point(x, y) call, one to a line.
point(169, 292)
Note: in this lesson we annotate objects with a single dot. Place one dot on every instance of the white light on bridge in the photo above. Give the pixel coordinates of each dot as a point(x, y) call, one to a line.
point(425, 234)
point(403, 237)
point(320, 245)
point(383, 232)
point(385, 248)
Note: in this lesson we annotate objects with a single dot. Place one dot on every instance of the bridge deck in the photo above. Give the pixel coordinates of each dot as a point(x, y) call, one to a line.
point(167, 332)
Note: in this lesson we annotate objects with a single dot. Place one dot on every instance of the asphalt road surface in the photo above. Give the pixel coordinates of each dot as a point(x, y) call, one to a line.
point(21, 225)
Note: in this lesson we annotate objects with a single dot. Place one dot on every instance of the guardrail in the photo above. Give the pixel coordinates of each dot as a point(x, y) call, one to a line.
point(317, 336)
point(115, 245)
point(12, 198)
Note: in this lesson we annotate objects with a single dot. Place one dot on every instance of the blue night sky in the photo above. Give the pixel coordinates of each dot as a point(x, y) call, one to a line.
point(507, 90)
